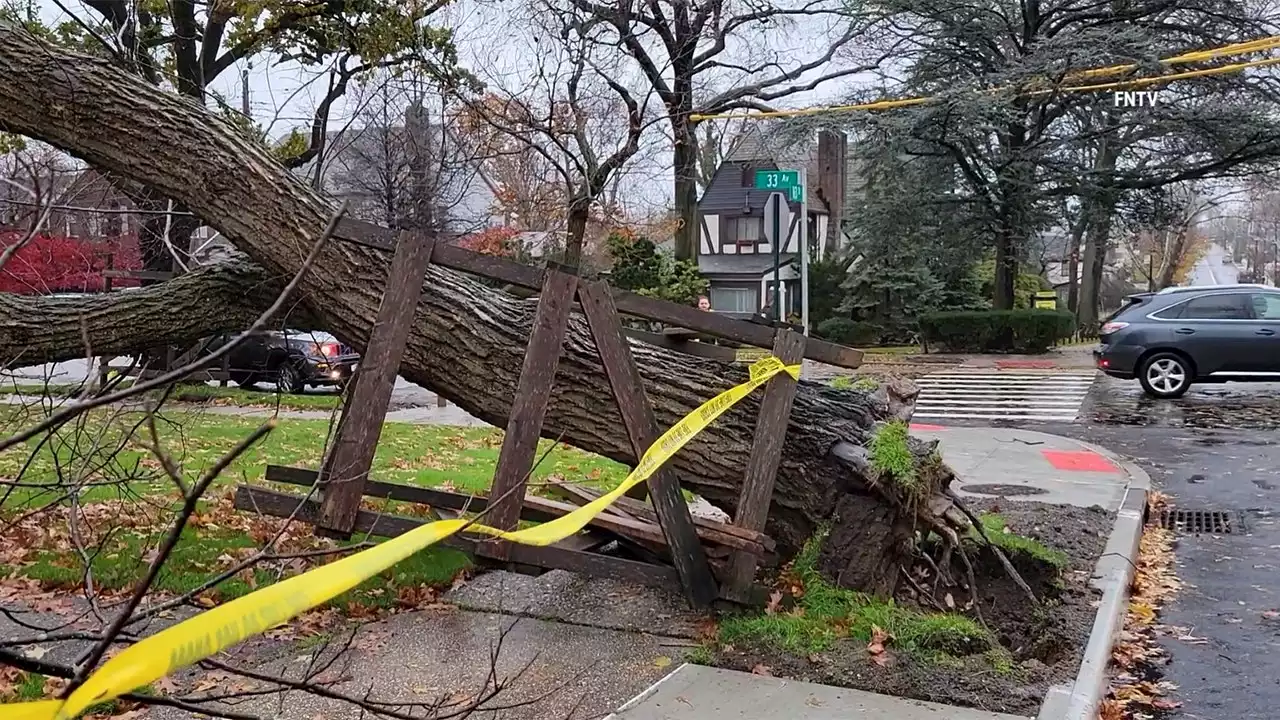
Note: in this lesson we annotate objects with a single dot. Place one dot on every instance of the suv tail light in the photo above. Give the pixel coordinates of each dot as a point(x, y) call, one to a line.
point(329, 349)
point(1112, 327)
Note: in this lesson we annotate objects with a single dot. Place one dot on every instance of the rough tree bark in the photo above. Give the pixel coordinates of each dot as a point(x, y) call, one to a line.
point(467, 341)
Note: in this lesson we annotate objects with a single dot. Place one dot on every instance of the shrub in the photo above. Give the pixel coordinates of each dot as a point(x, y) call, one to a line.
point(1025, 331)
point(51, 264)
point(848, 332)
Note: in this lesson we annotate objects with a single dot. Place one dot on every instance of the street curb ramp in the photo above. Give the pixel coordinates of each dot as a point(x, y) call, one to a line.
point(1113, 575)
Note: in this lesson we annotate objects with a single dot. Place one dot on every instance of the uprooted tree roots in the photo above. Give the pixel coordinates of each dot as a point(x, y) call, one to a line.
point(869, 546)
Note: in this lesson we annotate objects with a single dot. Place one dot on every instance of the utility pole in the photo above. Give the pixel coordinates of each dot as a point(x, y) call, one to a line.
point(244, 92)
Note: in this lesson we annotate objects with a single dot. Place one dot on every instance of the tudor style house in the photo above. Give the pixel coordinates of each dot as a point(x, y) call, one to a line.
point(733, 253)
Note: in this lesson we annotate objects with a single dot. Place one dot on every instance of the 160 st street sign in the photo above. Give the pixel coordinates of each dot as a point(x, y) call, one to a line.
point(788, 180)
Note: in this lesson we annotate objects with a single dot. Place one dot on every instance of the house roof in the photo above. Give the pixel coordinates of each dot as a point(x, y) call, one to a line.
point(754, 145)
point(751, 265)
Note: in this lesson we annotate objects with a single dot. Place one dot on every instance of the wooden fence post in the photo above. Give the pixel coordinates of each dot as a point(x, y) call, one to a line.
point(687, 553)
point(346, 469)
point(533, 392)
point(766, 453)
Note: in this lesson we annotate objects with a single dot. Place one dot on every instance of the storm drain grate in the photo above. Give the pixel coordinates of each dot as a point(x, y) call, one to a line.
point(1206, 522)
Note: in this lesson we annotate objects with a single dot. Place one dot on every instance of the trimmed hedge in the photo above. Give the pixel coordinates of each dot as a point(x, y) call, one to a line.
point(1023, 331)
point(848, 332)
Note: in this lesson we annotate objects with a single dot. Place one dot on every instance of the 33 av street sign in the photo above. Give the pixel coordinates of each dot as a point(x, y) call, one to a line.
point(788, 180)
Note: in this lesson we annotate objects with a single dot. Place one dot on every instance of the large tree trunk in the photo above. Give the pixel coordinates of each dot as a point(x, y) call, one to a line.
point(467, 341)
point(685, 186)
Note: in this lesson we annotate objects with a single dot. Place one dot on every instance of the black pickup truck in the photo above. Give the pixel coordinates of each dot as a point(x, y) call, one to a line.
point(292, 359)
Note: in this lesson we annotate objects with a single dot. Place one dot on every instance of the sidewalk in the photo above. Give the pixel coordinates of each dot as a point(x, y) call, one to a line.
point(1028, 465)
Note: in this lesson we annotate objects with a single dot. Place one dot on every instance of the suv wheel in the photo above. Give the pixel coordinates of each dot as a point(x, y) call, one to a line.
point(1165, 375)
point(290, 379)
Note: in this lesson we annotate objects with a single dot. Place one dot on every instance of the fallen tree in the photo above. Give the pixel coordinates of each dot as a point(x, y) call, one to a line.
point(468, 339)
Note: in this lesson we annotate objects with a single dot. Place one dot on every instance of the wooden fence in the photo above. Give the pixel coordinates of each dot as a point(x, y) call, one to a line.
point(706, 559)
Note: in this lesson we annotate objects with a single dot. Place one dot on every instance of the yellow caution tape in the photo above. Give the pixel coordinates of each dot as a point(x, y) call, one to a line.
point(217, 629)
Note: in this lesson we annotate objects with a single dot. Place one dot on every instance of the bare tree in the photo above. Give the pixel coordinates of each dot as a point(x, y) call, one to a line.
point(1164, 235)
point(704, 57)
point(574, 120)
point(401, 164)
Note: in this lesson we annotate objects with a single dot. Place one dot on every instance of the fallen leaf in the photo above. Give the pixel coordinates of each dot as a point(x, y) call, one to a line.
point(950, 601)
point(761, 669)
point(662, 662)
point(1166, 704)
point(775, 600)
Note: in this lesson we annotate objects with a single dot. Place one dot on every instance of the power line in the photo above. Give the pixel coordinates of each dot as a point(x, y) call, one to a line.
point(1197, 56)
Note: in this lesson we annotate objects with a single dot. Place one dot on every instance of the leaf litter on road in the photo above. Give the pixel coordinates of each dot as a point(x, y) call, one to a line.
point(1133, 696)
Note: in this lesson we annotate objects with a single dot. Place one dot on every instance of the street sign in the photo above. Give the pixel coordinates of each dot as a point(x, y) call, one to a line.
point(774, 220)
point(777, 180)
point(796, 193)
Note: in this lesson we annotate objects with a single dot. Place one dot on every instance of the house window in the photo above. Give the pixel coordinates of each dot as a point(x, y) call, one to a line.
point(734, 299)
point(744, 230)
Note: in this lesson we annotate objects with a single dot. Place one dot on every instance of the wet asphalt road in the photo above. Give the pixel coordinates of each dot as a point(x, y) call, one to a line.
point(1216, 449)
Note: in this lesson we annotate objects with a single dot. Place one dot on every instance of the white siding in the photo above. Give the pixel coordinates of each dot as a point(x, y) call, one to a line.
point(709, 242)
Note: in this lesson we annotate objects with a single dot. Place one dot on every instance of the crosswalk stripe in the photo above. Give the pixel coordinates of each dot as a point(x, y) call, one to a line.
point(1001, 395)
point(1010, 377)
point(1069, 417)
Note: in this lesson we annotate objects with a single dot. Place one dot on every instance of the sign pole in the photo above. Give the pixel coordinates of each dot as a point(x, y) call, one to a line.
point(804, 251)
point(778, 240)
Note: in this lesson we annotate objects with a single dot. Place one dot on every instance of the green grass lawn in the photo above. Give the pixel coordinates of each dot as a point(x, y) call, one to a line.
point(266, 396)
point(108, 452)
point(111, 445)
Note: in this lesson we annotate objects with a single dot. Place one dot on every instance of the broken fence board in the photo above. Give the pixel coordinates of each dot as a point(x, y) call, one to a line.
point(766, 452)
point(345, 469)
point(536, 509)
point(533, 391)
point(283, 505)
point(687, 554)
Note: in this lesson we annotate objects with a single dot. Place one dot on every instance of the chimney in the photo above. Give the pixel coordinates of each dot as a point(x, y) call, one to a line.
point(833, 183)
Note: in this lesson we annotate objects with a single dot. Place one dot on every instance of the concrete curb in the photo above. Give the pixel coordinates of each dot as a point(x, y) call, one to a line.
point(644, 695)
point(1112, 575)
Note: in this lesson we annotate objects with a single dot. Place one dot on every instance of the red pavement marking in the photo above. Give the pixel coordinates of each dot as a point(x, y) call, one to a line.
point(926, 427)
point(1079, 461)
point(1026, 364)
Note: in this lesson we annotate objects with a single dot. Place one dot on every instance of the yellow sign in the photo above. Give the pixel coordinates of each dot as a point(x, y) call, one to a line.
point(1047, 300)
point(215, 630)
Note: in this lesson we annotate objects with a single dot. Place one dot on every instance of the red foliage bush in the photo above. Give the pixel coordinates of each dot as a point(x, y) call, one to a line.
point(51, 264)
point(491, 241)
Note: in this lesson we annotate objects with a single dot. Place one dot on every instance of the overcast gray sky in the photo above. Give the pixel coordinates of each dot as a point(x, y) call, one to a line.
point(497, 41)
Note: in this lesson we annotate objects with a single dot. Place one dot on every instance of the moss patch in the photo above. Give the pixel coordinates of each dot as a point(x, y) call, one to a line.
point(891, 456)
point(1001, 536)
point(823, 614)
